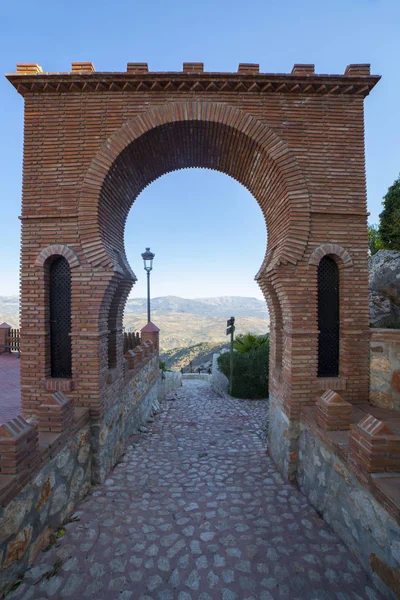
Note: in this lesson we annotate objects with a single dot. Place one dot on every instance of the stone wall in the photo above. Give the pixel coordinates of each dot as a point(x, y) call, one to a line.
point(385, 368)
point(282, 439)
point(169, 382)
point(203, 376)
point(129, 410)
point(27, 522)
point(219, 381)
point(363, 524)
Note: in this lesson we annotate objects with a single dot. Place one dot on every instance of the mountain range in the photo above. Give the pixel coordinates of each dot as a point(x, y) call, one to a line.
point(183, 322)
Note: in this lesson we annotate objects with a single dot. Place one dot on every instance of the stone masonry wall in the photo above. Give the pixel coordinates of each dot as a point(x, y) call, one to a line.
point(385, 368)
point(171, 381)
point(131, 408)
point(27, 522)
point(282, 439)
point(362, 523)
point(219, 381)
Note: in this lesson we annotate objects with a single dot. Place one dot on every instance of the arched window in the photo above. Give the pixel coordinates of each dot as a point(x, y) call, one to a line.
point(328, 318)
point(60, 318)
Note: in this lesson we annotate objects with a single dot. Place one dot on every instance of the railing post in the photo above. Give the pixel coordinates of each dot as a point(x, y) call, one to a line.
point(4, 335)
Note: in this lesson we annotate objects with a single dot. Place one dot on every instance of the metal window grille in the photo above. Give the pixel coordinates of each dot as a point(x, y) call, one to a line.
point(328, 318)
point(60, 318)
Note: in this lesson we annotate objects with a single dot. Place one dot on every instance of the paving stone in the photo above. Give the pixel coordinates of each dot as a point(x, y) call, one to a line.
point(153, 582)
point(94, 588)
point(201, 562)
point(73, 583)
point(175, 579)
point(193, 581)
point(195, 511)
point(228, 594)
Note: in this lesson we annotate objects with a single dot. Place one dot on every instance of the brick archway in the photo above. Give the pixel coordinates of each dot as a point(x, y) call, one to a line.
point(195, 134)
point(93, 141)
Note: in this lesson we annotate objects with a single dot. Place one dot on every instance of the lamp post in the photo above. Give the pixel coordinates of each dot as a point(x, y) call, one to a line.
point(148, 265)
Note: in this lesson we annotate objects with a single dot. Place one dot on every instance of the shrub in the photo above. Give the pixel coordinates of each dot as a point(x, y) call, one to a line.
point(249, 341)
point(250, 372)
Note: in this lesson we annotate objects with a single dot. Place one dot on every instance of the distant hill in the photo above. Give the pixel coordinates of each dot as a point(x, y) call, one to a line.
point(9, 310)
point(179, 358)
point(186, 322)
point(183, 322)
point(215, 307)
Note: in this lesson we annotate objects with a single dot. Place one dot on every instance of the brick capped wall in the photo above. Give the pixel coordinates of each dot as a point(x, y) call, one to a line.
point(93, 141)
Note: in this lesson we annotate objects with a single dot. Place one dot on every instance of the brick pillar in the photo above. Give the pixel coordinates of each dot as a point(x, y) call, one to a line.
point(373, 448)
point(4, 334)
point(151, 333)
point(333, 412)
point(19, 445)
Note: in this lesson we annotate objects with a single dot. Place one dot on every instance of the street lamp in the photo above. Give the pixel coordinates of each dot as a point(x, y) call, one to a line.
point(148, 265)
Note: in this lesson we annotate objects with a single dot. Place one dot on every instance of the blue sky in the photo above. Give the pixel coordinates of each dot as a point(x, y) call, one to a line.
point(203, 247)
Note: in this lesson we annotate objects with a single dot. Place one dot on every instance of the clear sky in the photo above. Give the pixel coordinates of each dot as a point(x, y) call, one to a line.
point(202, 248)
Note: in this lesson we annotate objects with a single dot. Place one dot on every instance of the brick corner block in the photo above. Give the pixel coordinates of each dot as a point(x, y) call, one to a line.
point(131, 359)
point(374, 448)
point(139, 355)
point(333, 412)
point(56, 414)
point(82, 67)
point(151, 333)
point(137, 67)
point(248, 68)
point(29, 69)
point(302, 69)
point(19, 443)
point(193, 67)
point(5, 329)
point(357, 70)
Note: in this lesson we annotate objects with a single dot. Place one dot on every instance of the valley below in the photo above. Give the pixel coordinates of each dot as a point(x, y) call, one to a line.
point(190, 329)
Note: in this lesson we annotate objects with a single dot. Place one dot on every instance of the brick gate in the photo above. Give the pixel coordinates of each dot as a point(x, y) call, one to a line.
point(93, 141)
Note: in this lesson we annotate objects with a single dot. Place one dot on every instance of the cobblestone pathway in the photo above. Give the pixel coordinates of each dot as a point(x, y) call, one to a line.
point(197, 511)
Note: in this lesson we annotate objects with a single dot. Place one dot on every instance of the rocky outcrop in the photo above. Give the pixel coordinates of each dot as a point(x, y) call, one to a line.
point(384, 284)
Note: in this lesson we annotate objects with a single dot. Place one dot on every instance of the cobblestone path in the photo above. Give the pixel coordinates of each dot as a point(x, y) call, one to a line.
point(197, 511)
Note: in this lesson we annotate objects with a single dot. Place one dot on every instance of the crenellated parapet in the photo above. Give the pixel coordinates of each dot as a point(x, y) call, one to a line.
point(30, 78)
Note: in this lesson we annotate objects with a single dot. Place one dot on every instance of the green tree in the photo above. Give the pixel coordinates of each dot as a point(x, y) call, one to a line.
point(389, 226)
point(374, 240)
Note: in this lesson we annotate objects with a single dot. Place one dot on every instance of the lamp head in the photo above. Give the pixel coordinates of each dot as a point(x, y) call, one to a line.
point(148, 259)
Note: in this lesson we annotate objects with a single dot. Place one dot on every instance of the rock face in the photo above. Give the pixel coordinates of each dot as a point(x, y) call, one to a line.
point(384, 285)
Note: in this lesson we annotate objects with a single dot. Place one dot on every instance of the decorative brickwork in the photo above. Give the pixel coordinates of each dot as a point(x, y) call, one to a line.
point(59, 385)
point(374, 448)
point(330, 249)
point(333, 412)
point(94, 141)
point(58, 250)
